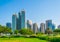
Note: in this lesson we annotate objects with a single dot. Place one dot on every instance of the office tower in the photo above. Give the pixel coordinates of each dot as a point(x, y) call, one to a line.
point(49, 24)
point(22, 19)
point(14, 22)
point(35, 28)
point(42, 27)
point(58, 26)
point(8, 25)
point(29, 24)
point(19, 21)
point(53, 26)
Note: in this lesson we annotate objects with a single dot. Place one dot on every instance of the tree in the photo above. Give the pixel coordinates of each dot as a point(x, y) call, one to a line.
point(16, 32)
point(4, 29)
point(26, 31)
point(48, 31)
point(56, 31)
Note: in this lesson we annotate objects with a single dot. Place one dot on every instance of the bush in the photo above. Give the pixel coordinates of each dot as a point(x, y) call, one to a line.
point(3, 36)
point(55, 39)
point(44, 38)
point(33, 36)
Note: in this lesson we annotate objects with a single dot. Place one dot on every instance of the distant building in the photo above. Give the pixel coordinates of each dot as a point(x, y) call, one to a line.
point(42, 27)
point(53, 26)
point(29, 24)
point(14, 22)
point(58, 26)
point(35, 28)
point(8, 25)
point(49, 24)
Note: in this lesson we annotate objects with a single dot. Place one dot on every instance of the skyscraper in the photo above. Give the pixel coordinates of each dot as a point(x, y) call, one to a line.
point(42, 27)
point(29, 24)
point(22, 19)
point(49, 24)
point(35, 28)
point(53, 26)
point(14, 22)
point(19, 21)
point(8, 25)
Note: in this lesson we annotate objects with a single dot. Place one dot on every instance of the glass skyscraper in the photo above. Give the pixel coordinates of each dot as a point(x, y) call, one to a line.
point(49, 24)
point(53, 26)
point(14, 22)
point(22, 19)
point(19, 21)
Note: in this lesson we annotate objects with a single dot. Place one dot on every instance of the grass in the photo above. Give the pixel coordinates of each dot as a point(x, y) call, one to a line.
point(21, 40)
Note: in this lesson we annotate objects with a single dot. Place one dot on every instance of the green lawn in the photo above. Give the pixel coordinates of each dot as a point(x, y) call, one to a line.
point(21, 40)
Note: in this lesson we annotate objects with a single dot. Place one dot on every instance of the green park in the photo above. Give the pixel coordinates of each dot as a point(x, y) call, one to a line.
point(27, 35)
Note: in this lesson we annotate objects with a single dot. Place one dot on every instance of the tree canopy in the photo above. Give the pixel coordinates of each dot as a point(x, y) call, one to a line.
point(4, 29)
point(26, 31)
point(48, 31)
point(57, 30)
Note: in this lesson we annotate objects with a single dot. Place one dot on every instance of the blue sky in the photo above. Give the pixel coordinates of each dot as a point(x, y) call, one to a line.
point(36, 10)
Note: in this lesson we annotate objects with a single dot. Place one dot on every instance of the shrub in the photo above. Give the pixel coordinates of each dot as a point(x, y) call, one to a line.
point(3, 36)
point(55, 39)
point(44, 38)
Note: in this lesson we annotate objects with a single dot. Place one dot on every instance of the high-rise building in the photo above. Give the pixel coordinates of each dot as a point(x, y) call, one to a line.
point(8, 25)
point(29, 24)
point(19, 21)
point(35, 28)
point(49, 24)
point(42, 27)
point(58, 26)
point(14, 22)
point(22, 19)
point(53, 26)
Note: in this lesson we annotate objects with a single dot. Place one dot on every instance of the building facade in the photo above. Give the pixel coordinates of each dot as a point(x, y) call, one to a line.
point(49, 24)
point(14, 22)
point(8, 25)
point(22, 19)
point(29, 24)
point(35, 28)
point(19, 21)
point(42, 27)
point(53, 26)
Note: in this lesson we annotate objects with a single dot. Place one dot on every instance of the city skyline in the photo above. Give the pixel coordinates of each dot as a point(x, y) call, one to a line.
point(37, 11)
